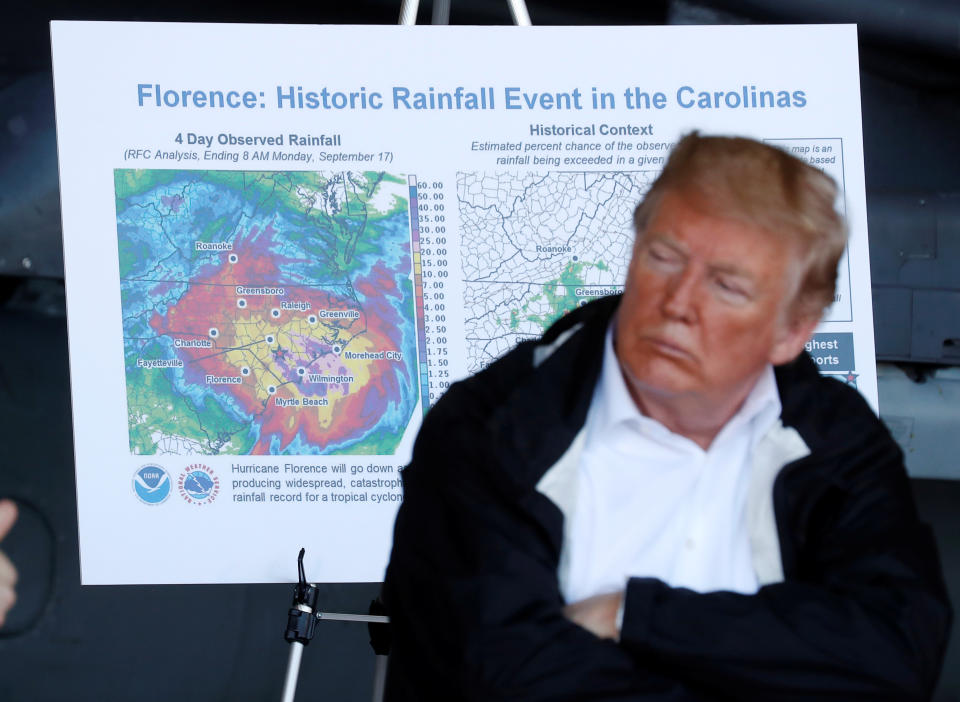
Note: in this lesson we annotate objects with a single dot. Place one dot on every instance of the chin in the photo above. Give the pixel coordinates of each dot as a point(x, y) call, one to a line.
point(658, 376)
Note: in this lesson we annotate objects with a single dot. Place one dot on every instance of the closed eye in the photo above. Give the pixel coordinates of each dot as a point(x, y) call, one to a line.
point(664, 256)
point(732, 289)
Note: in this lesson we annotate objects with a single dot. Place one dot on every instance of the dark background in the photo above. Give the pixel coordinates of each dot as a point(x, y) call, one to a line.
point(64, 641)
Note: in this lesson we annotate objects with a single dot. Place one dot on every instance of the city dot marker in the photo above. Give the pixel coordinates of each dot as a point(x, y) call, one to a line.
point(241, 303)
point(214, 332)
point(232, 258)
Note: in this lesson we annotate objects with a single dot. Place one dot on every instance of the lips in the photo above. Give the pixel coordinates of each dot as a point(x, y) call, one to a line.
point(669, 348)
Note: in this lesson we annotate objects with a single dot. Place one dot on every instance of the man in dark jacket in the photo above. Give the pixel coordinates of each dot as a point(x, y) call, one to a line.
point(662, 499)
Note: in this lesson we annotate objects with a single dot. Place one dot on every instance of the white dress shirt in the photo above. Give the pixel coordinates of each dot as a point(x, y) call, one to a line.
point(653, 503)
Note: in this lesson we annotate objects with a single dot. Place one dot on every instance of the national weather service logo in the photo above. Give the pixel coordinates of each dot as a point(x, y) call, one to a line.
point(151, 484)
point(198, 485)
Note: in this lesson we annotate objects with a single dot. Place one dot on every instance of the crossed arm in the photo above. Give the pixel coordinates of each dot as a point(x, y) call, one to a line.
point(476, 613)
point(867, 617)
point(472, 588)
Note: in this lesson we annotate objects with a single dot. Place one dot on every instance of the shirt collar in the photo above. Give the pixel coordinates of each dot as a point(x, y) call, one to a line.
point(613, 400)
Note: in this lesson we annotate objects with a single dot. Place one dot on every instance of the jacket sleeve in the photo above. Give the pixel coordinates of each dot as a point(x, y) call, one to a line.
point(863, 616)
point(472, 591)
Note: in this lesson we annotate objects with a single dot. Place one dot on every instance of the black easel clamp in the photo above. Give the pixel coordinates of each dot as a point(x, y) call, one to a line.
point(301, 620)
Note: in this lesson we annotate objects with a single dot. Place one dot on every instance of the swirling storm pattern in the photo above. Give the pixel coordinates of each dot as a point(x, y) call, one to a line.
point(266, 313)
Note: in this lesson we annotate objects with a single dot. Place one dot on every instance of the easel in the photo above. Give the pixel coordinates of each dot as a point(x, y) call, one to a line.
point(302, 620)
point(303, 616)
point(441, 12)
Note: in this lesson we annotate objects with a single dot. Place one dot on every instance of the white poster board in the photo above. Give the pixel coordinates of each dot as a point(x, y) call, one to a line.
point(281, 242)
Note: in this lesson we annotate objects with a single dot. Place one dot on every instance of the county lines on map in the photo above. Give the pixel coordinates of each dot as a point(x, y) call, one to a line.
point(536, 245)
point(266, 312)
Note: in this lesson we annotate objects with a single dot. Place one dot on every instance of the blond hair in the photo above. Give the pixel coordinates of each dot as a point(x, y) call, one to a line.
point(766, 187)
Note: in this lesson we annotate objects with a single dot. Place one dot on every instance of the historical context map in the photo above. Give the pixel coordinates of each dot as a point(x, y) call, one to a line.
point(266, 312)
point(535, 245)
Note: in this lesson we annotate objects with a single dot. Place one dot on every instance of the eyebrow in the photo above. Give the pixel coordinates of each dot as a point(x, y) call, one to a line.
point(663, 239)
point(731, 269)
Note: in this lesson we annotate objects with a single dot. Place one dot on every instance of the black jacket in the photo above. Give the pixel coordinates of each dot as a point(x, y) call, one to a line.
point(857, 609)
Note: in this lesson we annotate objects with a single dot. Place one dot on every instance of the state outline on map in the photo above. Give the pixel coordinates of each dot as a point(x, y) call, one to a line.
point(339, 243)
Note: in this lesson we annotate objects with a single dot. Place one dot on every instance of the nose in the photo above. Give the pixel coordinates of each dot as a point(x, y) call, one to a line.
point(680, 297)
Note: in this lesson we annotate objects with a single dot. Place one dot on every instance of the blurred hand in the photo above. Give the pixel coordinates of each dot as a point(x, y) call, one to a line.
point(597, 614)
point(8, 574)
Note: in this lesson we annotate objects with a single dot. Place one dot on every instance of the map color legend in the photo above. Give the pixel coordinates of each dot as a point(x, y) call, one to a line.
point(418, 291)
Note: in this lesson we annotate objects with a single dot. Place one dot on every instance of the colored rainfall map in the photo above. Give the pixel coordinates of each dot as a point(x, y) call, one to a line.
point(535, 245)
point(266, 313)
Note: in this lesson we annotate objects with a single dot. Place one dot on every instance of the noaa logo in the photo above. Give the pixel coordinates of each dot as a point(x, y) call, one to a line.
point(151, 484)
point(198, 485)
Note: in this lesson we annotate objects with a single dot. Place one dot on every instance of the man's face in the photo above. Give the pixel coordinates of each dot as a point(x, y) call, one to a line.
point(706, 305)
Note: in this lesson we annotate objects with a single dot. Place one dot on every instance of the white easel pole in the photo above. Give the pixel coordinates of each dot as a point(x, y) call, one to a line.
point(293, 671)
point(518, 10)
point(441, 12)
point(408, 11)
point(379, 678)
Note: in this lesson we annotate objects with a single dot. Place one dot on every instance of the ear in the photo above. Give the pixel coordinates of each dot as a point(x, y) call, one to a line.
point(791, 337)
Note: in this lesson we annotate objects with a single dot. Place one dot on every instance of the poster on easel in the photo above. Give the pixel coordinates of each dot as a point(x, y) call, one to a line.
point(283, 243)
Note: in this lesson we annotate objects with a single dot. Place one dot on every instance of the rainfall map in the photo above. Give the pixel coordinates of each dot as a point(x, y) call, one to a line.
point(266, 312)
point(535, 245)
